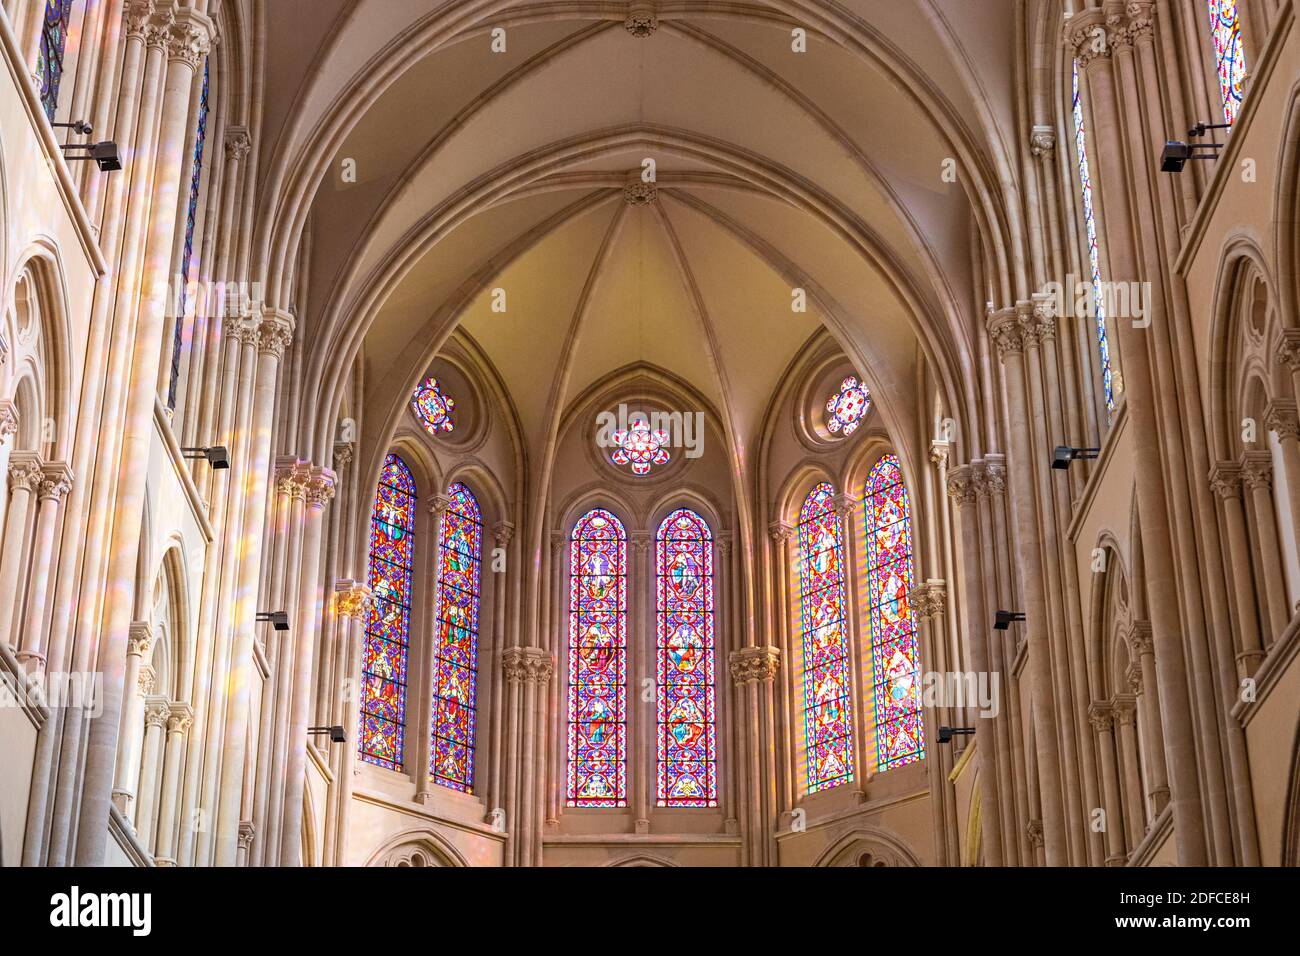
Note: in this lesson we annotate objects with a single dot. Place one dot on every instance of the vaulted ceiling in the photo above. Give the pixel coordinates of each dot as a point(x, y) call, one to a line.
point(479, 170)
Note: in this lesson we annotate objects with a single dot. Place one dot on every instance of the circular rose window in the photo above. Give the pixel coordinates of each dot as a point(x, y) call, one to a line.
point(847, 407)
point(640, 448)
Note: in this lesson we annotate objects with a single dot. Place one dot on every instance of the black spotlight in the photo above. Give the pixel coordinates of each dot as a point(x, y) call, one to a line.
point(217, 456)
point(1003, 620)
point(1176, 154)
point(337, 734)
point(1064, 454)
point(947, 733)
point(279, 620)
point(104, 154)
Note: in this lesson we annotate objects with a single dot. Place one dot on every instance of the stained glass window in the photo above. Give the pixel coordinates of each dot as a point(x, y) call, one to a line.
point(191, 220)
point(451, 763)
point(384, 657)
point(1094, 256)
point(847, 407)
point(597, 744)
point(1229, 55)
point(49, 63)
point(828, 707)
point(895, 658)
point(640, 447)
point(686, 742)
point(433, 407)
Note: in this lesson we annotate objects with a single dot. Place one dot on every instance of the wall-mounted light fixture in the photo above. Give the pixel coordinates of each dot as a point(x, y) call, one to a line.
point(104, 154)
point(217, 456)
point(1003, 620)
point(337, 734)
point(947, 733)
point(1064, 454)
point(279, 620)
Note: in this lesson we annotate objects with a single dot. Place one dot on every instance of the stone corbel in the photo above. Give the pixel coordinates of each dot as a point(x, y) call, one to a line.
point(751, 665)
point(9, 419)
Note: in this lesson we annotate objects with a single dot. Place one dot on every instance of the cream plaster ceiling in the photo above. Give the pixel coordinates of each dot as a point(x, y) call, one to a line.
point(479, 170)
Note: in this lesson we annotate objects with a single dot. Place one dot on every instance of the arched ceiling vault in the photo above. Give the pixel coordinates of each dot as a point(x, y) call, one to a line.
point(480, 170)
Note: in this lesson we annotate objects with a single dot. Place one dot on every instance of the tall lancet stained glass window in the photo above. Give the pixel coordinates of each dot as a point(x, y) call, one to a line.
point(1094, 255)
point(823, 597)
point(1229, 55)
point(455, 690)
point(191, 221)
point(686, 742)
point(384, 656)
point(597, 738)
point(895, 658)
point(54, 44)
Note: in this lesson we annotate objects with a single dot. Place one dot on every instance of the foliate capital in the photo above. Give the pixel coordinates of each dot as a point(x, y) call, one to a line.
point(1281, 417)
point(1288, 349)
point(1042, 141)
point(1225, 480)
point(503, 533)
point(56, 481)
point(238, 142)
point(179, 718)
point(156, 713)
point(190, 36)
point(751, 665)
point(780, 532)
point(1140, 639)
point(321, 485)
point(353, 600)
point(1006, 332)
point(929, 599)
point(8, 420)
point(25, 471)
point(527, 665)
point(1101, 714)
point(275, 332)
point(962, 487)
point(1257, 469)
point(139, 639)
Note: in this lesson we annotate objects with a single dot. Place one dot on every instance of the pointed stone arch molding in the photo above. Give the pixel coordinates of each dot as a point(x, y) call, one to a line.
point(1234, 353)
point(1101, 630)
point(422, 843)
point(40, 268)
point(883, 848)
point(322, 118)
point(350, 316)
point(643, 859)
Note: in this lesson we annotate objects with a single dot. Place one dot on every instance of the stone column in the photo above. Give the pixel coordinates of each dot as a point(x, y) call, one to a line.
point(788, 786)
point(1281, 419)
point(25, 477)
point(274, 333)
point(423, 702)
point(1008, 337)
point(929, 603)
point(139, 645)
point(353, 603)
point(1102, 716)
point(1257, 473)
point(247, 834)
point(319, 492)
point(523, 667)
point(1225, 480)
point(1288, 356)
point(155, 719)
point(56, 482)
point(1157, 777)
point(179, 718)
point(641, 723)
point(753, 671)
point(1125, 711)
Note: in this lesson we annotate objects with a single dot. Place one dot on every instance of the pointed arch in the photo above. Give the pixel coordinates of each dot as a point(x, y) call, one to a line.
point(455, 646)
point(597, 731)
point(895, 652)
point(686, 739)
point(823, 601)
point(385, 655)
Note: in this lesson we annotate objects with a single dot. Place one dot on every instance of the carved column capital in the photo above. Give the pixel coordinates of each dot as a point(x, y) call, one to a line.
point(527, 665)
point(1280, 417)
point(179, 718)
point(1087, 36)
point(238, 143)
point(1225, 479)
point(845, 506)
point(1042, 141)
point(1034, 828)
point(994, 484)
point(640, 541)
point(723, 543)
point(56, 481)
point(291, 476)
point(344, 452)
point(780, 532)
point(1133, 677)
point(1140, 638)
point(1101, 714)
point(139, 640)
point(136, 15)
point(275, 333)
point(156, 712)
point(962, 486)
point(247, 834)
point(9, 419)
point(929, 599)
point(751, 665)
point(939, 451)
point(1288, 349)
point(503, 532)
point(1124, 709)
point(641, 21)
point(25, 471)
point(146, 680)
point(320, 487)
point(190, 37)
point(352, 599)
point(438, 506)
point(1006, 332)
point(1257, 470)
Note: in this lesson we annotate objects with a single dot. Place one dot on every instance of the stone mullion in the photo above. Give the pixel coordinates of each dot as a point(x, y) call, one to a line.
point(1102, 715)
point(180, 716)
point(536, 675)
point(860, 642)
point(420, 706)
point(187, 41)
point(1281, 420)
point(782, 536)
point(320, 490)
point(1005, 329)
point(1157, 775)
point(557, 766)
point(1226, 482)
point(723, 713)
point(155, 716)
point(1162, 578)
point(927, 602)
point(1131, 783)
point(353, 603)
point(502, 535)
point(126, 772)
point(56, 482)
point(640, 726)
point(964, 487)
point(25, 474)
point(1257, 470)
